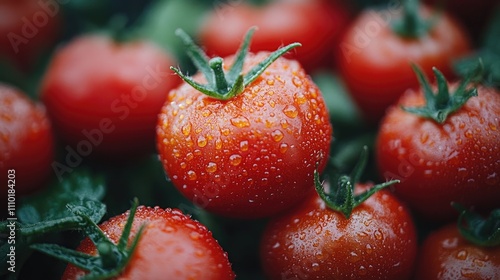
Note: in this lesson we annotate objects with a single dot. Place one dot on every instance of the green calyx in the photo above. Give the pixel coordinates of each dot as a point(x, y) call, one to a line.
point(221, 85)
point(110, 260)
point(478, 230)
point(341, 196)
point(441, 104)
point(411, 25)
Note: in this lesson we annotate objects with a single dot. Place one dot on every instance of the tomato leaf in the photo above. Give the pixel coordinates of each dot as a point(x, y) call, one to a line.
point(478, 230)
point(341, 195)
point(111, 258)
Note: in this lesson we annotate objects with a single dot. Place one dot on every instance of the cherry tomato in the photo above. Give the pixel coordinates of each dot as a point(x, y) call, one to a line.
point(374, 60)
point(172, 246)
point(104, 96)
point(312, 241)
point(254, 154)
point(316, 24)
point(27, 28)
point(445, 254)
point(26, 142)
point(456, 161)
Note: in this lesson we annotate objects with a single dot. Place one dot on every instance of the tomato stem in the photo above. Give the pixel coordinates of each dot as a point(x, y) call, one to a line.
point(441, 104)
point(220, 85)
point(341, 196)
point(411, 25)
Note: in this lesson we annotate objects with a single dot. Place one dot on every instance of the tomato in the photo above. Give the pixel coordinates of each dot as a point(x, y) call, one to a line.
point(172, 246)
point(316, 24)
point(456, 161)
point(312, 241)
point(253, 154)
point(445, 254)
point(374, 60)
point(27, 28)
point(104, 96)
point(26, 142)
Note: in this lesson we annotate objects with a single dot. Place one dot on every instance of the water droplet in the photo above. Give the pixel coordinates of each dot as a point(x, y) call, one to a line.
point(492, 126)
point(302, 236)
point(186, 129)
point(354, 258)
point(462, 255)
point(297, 81)
point(218, 144)
point(194, 235)
point(270, 82)
point(318, 229)
point(277, 135)
point(469, 134)
point(202, 141)
point(192, 175)
point(492, 179)
point(240, 122)
point(244, 146)
point(225, 131)
point(283, 148)
point(276, 245)
point(290, 111)
point(300, 98)
point(183, 165)
point(362, 271)
point(424, 137)
point(211, 167)
point(206, 113)
point(378, 234)
point(450, 243)
point(235, 159)
point(369, 249)
point(189, 156)
point(176, 153)
point(315, 267)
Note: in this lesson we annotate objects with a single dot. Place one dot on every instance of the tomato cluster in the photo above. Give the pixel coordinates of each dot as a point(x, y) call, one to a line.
point(235, 127)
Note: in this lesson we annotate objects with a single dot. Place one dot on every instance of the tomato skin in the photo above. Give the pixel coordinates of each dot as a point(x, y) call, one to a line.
point(26, 141)
point(374, 61)
point(173, 246)
point(437, 164)
point(312, 241)
point(108, 94)
point(27, 28)
point(445, 254)
point(250, 156)
point(316, 24)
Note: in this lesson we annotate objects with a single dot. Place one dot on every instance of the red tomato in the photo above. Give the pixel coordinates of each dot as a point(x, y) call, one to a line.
point(445, 254)
point(252, 155)
point(26, 142)
point(104, 97)
point(172, 246)
point(311, 241)
point(457, 161)
point(27, 28)
point(374, 60)
point(317, 25)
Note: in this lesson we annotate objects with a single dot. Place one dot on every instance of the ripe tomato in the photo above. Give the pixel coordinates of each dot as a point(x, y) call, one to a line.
point(445, 254)
point(172, 246)
point(374, 60)
point(26, 142)
point(108, 94)
point(316, 24)
point(27, 28)
point(312, 241)
point(254, 154)
point(457, 161)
